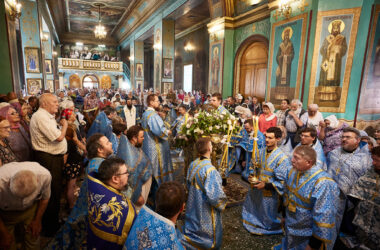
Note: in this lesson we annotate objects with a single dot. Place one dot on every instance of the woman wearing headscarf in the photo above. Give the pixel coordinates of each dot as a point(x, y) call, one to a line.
point(331, 131)
point(19, 138)
point(6, 153)
point(267, 119)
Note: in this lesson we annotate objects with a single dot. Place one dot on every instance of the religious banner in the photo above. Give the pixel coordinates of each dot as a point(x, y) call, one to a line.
point(216, 67)
point(287, 56)
point(332, 59)
point(370, 93)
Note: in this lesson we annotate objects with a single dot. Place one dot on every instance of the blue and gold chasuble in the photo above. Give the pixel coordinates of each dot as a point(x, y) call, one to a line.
point(321, 159)
point(241, 148)
point(110, 216)
point(156, 146)
point(346, 168)
point(181, 120)
point(367, 216)
point(206, 201)
point(73, 233)
point(103, 125)
point(138, 165)
point(152, 231)
point(310, 199)
point(222, 110)
point(260, 209)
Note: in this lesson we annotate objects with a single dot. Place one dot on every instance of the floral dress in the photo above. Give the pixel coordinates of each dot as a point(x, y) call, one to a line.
point(6, 153)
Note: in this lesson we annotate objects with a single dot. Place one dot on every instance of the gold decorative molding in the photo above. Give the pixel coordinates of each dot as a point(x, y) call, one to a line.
point(249, 17)
point(79, 64)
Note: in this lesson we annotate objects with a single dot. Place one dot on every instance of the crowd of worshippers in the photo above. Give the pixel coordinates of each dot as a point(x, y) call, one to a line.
point(318, 183)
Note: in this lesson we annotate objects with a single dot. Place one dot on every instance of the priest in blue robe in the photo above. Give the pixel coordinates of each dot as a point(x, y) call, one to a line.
point(156, 145)
point(181, 119)
point(138, 164)
point(73, 233)
point(156, 230)
point(241, 151)
point(365, 195)
point(311, 198)
point(206, 201)
point(110, 213)
point(103, 125)
point(260, 209)
point(309, 138)
point(346, 165)
point(216, 102)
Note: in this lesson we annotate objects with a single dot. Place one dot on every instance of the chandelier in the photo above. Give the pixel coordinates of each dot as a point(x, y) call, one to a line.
point(14, 8)
point(100, 30)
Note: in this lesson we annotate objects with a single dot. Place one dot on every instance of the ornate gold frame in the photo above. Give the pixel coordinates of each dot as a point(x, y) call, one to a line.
point(301, 53)
point(368, 64)
point(350, 57)
point(221, 52)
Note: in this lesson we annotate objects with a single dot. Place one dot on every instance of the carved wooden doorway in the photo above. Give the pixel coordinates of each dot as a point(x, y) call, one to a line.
point(251, 65)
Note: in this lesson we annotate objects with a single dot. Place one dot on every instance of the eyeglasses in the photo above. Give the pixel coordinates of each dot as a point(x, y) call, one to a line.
point(126, 172)
point(347, 137)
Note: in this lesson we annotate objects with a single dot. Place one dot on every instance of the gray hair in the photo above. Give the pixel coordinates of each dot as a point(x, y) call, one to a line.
point(296, 101)
point(313, 106)
point(66, 104)
point(23, 183)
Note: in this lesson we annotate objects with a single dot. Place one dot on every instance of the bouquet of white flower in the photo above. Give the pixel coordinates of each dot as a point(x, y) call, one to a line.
point(206, 123)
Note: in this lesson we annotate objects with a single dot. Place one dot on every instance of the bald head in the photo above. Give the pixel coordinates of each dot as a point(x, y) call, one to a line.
point(49, 102)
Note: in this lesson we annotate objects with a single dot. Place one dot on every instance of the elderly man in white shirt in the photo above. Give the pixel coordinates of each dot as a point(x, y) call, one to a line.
point(24, 196)
point(49, 143)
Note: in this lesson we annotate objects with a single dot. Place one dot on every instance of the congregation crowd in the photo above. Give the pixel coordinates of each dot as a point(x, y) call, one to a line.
point(108, 154)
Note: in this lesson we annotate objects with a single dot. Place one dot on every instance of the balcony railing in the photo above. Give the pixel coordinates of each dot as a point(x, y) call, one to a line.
point(68, 63)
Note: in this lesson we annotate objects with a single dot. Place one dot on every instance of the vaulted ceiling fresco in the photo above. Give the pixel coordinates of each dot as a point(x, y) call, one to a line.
point(76, 19)
point(82, 16)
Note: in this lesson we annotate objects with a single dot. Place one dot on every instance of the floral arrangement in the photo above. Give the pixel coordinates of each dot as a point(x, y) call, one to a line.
point(207, 123)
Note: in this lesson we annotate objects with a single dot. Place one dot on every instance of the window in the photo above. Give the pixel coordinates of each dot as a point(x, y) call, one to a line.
point(188, 78)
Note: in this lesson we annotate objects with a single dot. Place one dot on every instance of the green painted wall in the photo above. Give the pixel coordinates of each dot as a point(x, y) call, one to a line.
point(5, 64)
point(228, 63)
point(361, 40)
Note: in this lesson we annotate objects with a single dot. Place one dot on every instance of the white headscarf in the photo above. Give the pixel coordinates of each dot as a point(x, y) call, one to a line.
point(333, 121)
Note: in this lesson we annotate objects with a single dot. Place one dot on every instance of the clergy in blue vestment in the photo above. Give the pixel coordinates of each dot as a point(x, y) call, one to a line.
point(73, 233)
point(103, 125)
point(156, 230)
point(346, 164)
point(310, 204)
point(205, 203)
point(367, 211)
point(156, 145)
point(110, 212)
point(216, 102)
point(181, 119)
point(260, 209)
point(138, 164)
point(309, 138)
point(241, 151)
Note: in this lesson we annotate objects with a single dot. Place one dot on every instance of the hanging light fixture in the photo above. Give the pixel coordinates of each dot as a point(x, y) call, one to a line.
point(100, 31)
point(14, 8)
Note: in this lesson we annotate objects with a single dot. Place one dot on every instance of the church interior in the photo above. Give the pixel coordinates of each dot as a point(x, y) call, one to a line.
point(319, 51)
